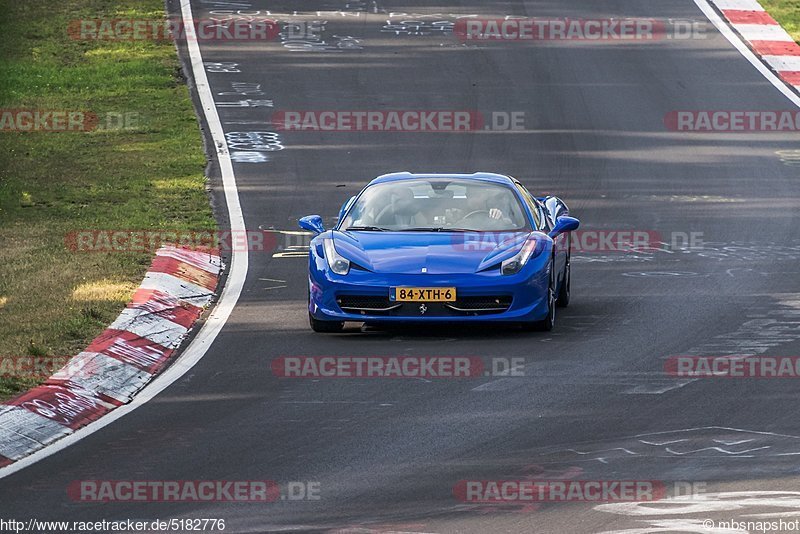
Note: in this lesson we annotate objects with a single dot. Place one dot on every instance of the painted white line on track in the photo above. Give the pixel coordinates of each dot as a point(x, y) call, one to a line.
point(741, 46)
point(233, 286)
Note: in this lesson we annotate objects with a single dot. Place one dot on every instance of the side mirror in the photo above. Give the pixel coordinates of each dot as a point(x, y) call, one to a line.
point(312, 223)
point(345, 207)
point(565, 224)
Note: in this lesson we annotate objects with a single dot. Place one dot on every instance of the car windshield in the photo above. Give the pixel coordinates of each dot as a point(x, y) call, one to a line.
point(437, 205)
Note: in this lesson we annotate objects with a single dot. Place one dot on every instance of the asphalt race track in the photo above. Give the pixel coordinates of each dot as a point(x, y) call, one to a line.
point(595, 402)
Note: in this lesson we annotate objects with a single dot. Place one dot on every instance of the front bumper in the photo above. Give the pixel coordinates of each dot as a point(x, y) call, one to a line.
point(482, 297)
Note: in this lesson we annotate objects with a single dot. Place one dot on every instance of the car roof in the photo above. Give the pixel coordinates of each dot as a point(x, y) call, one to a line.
point(477, 176)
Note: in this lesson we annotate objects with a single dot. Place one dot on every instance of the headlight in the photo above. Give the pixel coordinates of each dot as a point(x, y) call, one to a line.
point(532, 248)
point(336, 262)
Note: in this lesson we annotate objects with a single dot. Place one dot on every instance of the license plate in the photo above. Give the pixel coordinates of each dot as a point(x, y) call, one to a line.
point(425, 294)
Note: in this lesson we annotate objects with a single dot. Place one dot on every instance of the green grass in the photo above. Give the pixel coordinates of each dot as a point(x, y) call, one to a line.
point(54, 301)
point(787, 13)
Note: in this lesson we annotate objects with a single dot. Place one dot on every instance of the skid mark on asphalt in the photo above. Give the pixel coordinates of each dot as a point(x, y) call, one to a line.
point(658, 387)
point(749, 251)
point(632, 382)
point(274, 283)
point(767, 327)
point(712, 441)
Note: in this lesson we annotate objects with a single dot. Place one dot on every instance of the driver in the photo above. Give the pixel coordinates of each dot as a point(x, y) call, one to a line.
point(478, 201)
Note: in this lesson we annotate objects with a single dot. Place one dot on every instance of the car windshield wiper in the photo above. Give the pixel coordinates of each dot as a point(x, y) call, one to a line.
point(366, 229)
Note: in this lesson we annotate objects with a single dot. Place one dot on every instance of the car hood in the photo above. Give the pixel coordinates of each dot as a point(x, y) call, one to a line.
point(428, 252)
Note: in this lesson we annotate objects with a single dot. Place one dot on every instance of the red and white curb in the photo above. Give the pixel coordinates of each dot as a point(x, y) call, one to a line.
point(119, 362)
point(764, 36)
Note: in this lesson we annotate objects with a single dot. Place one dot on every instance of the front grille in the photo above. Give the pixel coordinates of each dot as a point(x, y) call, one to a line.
point(482, 303)
point(364, 302)
point(464, 306)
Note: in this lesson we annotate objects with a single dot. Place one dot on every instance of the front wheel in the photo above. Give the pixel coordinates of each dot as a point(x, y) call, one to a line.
point(547, 324)
point(325, 327)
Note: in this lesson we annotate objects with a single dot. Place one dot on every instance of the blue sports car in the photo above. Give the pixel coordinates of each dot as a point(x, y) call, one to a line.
point(441, 248)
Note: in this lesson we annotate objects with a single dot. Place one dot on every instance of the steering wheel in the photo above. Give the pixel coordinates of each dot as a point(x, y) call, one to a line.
point(476, 212)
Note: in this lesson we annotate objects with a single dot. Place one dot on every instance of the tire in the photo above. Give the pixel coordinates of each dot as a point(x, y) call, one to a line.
point(564, 291)
point(325, 327)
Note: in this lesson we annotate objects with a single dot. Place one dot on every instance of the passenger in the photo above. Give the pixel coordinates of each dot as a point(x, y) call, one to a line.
point(402, 211)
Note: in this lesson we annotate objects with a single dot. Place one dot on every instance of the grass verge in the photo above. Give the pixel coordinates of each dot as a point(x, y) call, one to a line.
point(787, 13)
point(148, 174)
